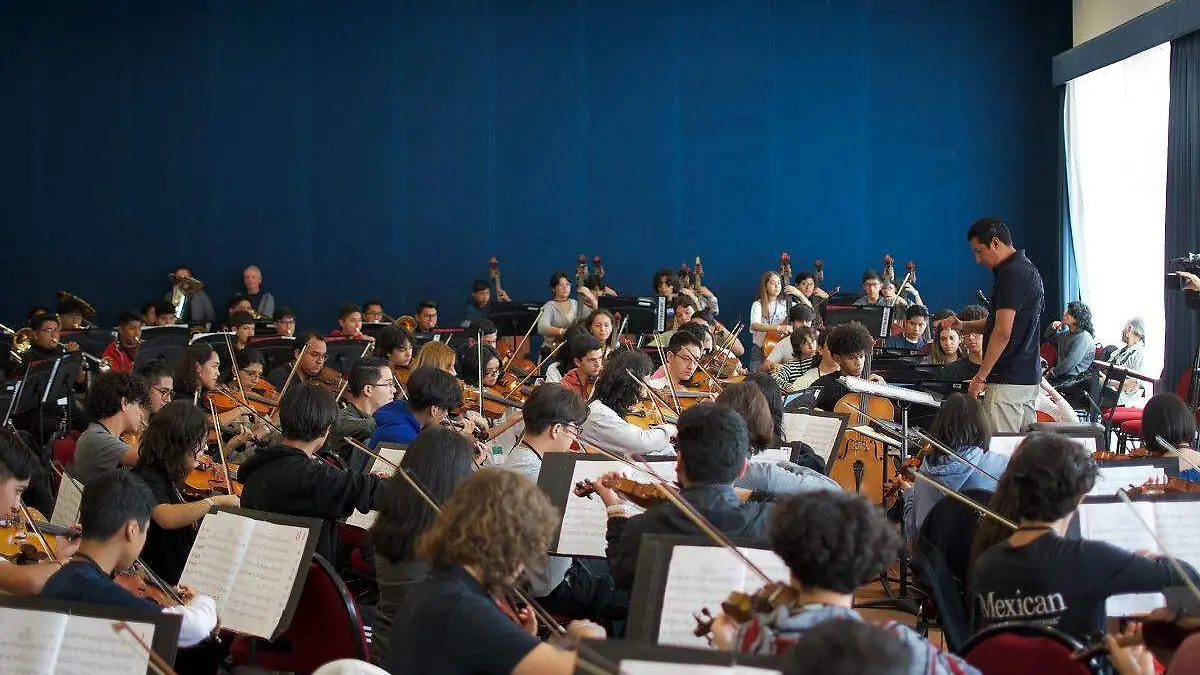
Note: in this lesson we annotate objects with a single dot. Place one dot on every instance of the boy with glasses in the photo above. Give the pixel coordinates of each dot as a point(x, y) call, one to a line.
point(370, 388)
point(161, 384)
point(311, 361)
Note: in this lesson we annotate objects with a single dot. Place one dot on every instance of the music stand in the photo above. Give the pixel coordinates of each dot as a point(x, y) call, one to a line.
point(341, 355)
point(167, 334)
point(166, 352)
point(878, 320)
point(1111, 369)
point(646, 314)
point(514, 318)
point(8, 400)
point(371, 329)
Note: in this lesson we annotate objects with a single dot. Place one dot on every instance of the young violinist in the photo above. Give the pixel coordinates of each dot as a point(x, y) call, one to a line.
point(961, 426)
point(800, 315)
point(118, 403)
point(802, 343)
point(714, 451)
point(436, 354)
point(478, 549)
point(872, 286)
point(491, 375)
point(559, 312)
point(683, 354)
point(350, 320)
point(1039, 575)
point(122, 352)
point(439, 459)
point(825, 365)
point(432, 394)
point(396, 345)
point(588, 356)
point(1167, 416)
point(311, 350)
point(160, 382)
point(284, 321)
point(286, 478)
point(579, 588)
point(198, 375)
point(18, 465)
point(370, 387)
point(601, 324)
point(832, 543)
point(916, 317)
point(562, 361)
point(242, 325)
point(115, 516)
point(767, 313)
point(684, 309)
point(848, 344)
point(616, 392)
point(170, 448)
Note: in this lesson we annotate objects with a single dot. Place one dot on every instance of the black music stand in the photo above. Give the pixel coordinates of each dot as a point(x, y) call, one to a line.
point(371, 329)
point(176, 334)
point(166, 352)
point(8, 400)
point(341, 355)
point(1121, 374)
point(47, 382)
point(645, 314)
point(514, 318)
point(877, 319)
point(276, 350)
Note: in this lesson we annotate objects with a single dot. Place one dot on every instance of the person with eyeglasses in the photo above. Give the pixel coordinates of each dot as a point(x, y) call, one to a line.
point(285, 322)
point(682, 360)
point(491, 375)
point(581, 589)
point(372, 311)
point(370, 388)
point(311, 350)
point(170, 448)
point(161, 384)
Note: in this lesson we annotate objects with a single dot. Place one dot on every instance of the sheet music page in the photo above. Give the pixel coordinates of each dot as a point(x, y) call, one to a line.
point(362, 520)
point(860, 385)
point(632, 667)
point(30, 641)
point(703, 576)
point(393, 455)
point(1005, 445)
point(819, 432)
point(1134, 604)
point(1113, 478)
point(1116, 523)
point(265, 579)
point(66, 506)
point(213, 563)
point(1175, 523)
point(584, 519)
point(773, 456)
point(92, 647)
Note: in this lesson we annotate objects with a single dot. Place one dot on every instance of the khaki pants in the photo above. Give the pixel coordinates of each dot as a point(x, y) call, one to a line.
point(1010, 406)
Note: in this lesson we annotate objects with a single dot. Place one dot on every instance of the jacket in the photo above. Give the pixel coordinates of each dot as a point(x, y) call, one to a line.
point(954, 475)
point(395, 423)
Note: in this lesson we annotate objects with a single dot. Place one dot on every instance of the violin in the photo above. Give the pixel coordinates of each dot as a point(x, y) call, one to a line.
point(1171, 486)
point(494, 404)
point(137, 580)
point(741, 607)
point(644, 495)
point(889, 270)
point(329, 378)
point(224, 400)
point(1165, 629)
point(208, 479)
point(18, 544)
point(1136, 453)
point(892, 490)
point(645, 414)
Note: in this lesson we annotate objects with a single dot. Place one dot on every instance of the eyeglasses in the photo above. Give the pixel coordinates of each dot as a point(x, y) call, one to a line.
point(164, 392)
point(252, 373)
point(291, 321)
point(385, 383)
point(317, 356)
point(491, 371)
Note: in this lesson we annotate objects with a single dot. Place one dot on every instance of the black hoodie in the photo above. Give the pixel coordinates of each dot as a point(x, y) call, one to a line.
point(718, 503)
point(283, 479)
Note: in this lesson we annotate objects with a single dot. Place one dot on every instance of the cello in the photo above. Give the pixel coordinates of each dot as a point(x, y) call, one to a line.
point(858, 460)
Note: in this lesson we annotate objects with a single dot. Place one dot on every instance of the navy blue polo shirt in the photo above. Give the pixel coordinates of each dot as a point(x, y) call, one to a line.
point(1017, 286)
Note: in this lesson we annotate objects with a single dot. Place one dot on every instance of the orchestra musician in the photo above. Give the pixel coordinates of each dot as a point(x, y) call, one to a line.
point(559, 312)
point(115, 516)
point(427, 316)
point(439, 459)
point(1062, 582)
point(285, 322)
point(371, 386)
point(832, 543)
point(396, 346)
point(311, 350)
point(684, 308)
point(122, 352)
point(478, 548)
point(119, 403)
point(71, 314)
point(588, 356)
point(199, 373)
point(872, 286)
point(615, 393)
point(432, 394)
point(806, 283)
point(800, 315)
point(372, 311)
point(262, 302)
point(284, 478)
point(164, 314)
point(238, 303)
point(668, 284)
point(18, 465)
point(888, 291)
point(767, 313)
point(44, 345)
point(160, 383)
point(825, 366)
point(714, 451)
point(1168, 416)
point(912, 335)
point(848, 344)
point(169, 448)
point(601, 324)
point(802, 343)
point(436, 354)
point(149, 313)
point(481, 303)
point(350, 321)
point(683, 354)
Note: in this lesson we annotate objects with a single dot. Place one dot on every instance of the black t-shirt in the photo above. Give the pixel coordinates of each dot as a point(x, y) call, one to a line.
point(449, 624)
point(831, 390)
point(1062, 582)
point(166, 551)
point(1017, 286)
point(961, 370)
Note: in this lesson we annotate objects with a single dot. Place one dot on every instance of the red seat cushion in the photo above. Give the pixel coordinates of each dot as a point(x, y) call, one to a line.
point(1125, 414)
point(1132, 427)
point(1007, 654)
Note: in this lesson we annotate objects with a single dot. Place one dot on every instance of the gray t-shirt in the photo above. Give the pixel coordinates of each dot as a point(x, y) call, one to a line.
point(96, 452)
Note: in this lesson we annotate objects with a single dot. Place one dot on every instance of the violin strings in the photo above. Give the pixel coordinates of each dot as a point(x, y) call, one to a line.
point(33, 527)
point(220, 448)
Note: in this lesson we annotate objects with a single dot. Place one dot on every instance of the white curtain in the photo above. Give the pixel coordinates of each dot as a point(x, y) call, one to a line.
point(1117, 179)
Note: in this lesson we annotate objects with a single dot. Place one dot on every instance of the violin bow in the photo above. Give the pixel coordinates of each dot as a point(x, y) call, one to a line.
point(925, 437)
point(33, 528)
point(233, 367)
point(954, 494)
point(244, 404)
point(900, 288)
point(221, 448)
point(346, 380)
point(1161, 546)
point(712, 380)
point(659, 404)
point(537, 368)
point(427, 497)
point(292, 373)
point(524, 339)
point(479, 364)
point(157, 663)
point(662, 356)
point(1162, 442)
point(157, 580)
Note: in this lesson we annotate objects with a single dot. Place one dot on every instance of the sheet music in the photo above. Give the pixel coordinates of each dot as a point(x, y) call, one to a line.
point(362, 520)
point(393, 455)
point(265, 578)
point(39, 642)
point(30, 640)
point(1115, 523)
point(584, 520)
point(1007, 445)
point(632, 667)
point(703, 576)
point(1113, 478)
point(772, 456)
point(818, 431)
point(66, 506)
point(858, 385)
point(212, 565)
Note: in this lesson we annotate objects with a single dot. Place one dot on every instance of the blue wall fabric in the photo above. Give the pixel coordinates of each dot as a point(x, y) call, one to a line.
point(382, 148)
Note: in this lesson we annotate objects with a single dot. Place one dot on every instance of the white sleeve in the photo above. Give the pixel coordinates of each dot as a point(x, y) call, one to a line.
point(756, 313)
point(612, 432)
point(199, 620)
point(544, 322)
point(782, 352)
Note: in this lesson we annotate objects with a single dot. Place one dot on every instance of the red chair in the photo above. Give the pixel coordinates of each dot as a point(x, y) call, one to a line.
point(1049, 353)
point(63, 449)
point(326, 626)
point(1023, 648)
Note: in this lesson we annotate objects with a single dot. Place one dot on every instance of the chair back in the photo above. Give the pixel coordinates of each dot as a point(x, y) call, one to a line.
point(943, 552)
point(326, 625)
point(1023, 648)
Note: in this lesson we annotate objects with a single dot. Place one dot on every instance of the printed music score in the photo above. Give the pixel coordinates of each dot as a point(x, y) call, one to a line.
point(250, 584)
point(1115, 523)
point(632, 667)
point(378, 466)
point(818, 431)
point(1007, 445)
point(1113, 478)
point(703, 576)
point(585, 521)
point(66, 507)
point(36, 642)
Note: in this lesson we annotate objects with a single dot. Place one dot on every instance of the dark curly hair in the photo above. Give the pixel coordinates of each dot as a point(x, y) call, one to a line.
point(174, 434)
point(959, 423)
point(1083, 316)
point(746, 399)
point(614, 387)
point(848, 339)
point(498, 536)
point(833, 540)
point(713, 444)
point(1050, 474)
point(109, 389)
point(973, 313)
point(439, 459)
